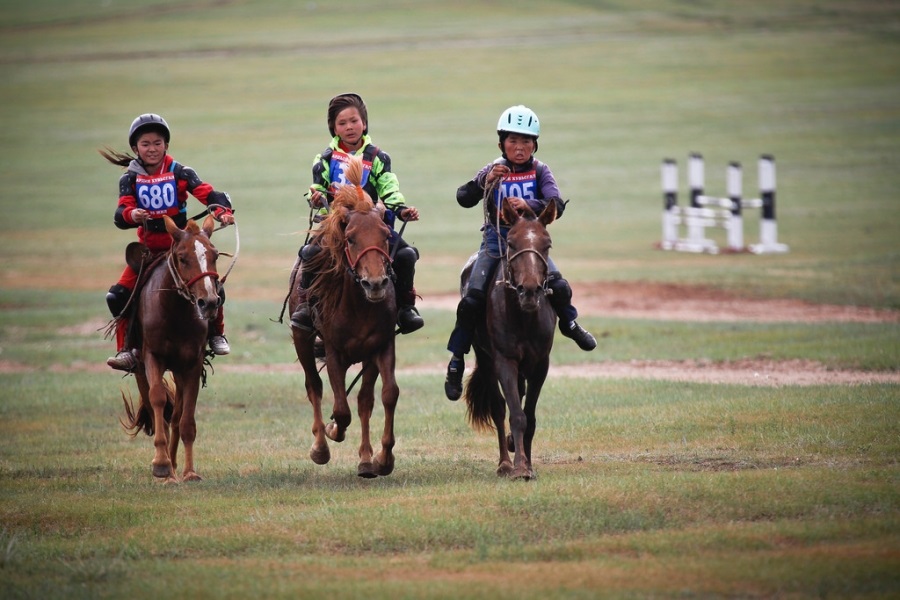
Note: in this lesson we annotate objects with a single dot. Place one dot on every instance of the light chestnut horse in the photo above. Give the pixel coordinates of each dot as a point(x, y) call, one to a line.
point(355, 313)
point(179, 298)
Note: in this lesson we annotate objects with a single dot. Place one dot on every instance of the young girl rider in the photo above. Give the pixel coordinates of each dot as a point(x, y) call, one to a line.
point(348, 123)
point(154, 185)
point(526, 181)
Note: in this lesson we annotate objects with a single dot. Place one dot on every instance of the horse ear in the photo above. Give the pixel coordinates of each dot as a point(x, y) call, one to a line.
point(548, 215)
point(209, 224)
point(171, 227)
point(510, 215)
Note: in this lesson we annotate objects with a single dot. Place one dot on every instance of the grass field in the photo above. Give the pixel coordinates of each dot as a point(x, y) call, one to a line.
point(645, 488)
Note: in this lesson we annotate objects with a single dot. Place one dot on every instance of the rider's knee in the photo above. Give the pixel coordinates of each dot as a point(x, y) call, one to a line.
point(562, 291)
point(470, 307)
point(117, 299)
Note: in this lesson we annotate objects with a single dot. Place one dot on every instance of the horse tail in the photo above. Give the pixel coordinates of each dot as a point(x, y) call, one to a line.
point(142, 418)
point(482, 394)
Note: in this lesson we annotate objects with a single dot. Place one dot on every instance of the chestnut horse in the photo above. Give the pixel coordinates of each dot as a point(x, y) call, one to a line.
point(178, 299)
point(513, 345)
point(355, 313)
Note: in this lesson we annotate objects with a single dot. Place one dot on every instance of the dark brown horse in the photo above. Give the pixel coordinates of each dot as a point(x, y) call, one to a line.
point(355, 313)
point(178, 299)
point(512, 348)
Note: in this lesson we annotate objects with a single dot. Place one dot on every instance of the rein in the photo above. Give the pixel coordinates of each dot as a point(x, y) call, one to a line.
point(182, 286)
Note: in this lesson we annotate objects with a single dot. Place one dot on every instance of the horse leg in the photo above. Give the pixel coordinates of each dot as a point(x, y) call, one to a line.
point(498, 414)
point(535, 383)
point(303, 345)
point(162, 466)
point(340, 415)
point(365, 401)
point(508, 374)
point(390, 393)
point(175, 424)
point(187, 388)
point(319, 452)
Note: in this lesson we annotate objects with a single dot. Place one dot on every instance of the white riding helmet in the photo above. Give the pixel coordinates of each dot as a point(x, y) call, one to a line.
point(148, 121)
point(519, 119)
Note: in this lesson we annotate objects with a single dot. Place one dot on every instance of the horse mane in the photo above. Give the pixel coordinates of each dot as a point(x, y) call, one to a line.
point(331, 262)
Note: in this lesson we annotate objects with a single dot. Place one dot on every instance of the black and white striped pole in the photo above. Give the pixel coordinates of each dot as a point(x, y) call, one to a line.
point(768, 228)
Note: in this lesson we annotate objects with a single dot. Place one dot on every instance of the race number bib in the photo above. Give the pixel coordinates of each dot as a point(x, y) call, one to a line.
point(338, 167)
point(157, 194)
point(518, 185)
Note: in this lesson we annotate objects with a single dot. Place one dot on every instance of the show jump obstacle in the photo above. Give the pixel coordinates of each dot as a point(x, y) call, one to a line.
point(718, 212)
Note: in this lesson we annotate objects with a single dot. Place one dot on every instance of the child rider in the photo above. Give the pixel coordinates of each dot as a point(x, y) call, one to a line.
point(521, 177)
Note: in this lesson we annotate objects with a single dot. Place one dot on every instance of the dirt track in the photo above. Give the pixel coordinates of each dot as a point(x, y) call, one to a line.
point(664, 302)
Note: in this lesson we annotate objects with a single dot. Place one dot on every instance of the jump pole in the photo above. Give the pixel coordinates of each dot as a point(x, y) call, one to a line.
point(728, 211)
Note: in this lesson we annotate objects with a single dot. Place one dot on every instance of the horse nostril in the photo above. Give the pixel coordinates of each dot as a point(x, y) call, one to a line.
point(365, 283)
point(201, 303)
point(520, 289)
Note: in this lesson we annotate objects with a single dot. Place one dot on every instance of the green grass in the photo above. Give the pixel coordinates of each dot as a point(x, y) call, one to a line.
point(645, 488)
point(730, 490)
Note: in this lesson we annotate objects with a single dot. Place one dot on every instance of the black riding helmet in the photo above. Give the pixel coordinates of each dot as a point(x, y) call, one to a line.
point(148, 122)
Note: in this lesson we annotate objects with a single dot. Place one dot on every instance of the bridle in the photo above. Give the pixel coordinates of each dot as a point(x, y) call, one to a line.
point(507, 273)
point(184, 287)
point(388, 260)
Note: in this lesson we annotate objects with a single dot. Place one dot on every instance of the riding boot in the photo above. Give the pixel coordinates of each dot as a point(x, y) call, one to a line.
point(125, 359)
point(453, 382)
point(218, 343)
point(469, 312)
point(561, 300)
point(302, 317)
point(408, 317)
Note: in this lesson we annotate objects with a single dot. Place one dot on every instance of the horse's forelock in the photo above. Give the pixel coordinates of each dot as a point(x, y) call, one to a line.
point(192, 227)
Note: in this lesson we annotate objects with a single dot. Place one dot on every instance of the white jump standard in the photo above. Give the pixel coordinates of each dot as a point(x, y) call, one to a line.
point(719, 212)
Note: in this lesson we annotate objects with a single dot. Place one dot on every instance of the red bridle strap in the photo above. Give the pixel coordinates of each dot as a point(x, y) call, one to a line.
point(353, 263)
point(197, 278)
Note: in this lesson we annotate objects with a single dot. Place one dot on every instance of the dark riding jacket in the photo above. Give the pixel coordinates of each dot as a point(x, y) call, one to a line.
point(139, 189)
point(546, 191)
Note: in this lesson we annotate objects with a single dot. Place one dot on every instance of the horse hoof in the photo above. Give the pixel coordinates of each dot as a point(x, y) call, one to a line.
point(384, 467)
point(504, 470)
point(522, 475)
point(334, 433)
point(192, 476)
point(367, 470)
point(320, 456)
point(163, 471)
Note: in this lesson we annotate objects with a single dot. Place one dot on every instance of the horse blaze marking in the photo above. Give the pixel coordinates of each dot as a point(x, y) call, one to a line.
point(200, 250)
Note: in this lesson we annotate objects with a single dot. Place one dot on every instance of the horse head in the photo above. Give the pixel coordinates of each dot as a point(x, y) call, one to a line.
point(366, 249)
point(192, 263)
point(527, 250)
